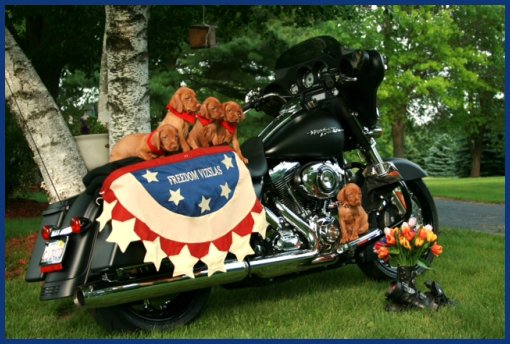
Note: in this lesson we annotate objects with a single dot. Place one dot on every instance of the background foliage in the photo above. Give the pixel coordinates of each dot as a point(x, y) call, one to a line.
point(442, 101)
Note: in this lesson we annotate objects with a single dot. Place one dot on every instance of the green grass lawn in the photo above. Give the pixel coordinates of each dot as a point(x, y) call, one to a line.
point(485, 189)
point(340, 303)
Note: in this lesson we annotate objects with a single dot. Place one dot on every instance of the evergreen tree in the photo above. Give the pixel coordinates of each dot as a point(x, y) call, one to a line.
point(440, 161)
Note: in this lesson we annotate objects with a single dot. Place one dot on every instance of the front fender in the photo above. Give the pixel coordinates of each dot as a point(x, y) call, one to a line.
point(408, 169)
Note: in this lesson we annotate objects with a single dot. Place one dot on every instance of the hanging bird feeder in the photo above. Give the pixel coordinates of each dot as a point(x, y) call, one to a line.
point(202, 35)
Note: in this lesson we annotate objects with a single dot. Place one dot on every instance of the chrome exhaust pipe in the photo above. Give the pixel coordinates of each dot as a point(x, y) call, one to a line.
point(273, 266)
point(235, 271)
point(116, 295)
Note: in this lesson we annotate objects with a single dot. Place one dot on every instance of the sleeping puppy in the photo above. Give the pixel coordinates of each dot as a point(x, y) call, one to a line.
point(147, 146)
point(181, 113)
point(202, 134)
point(353, 218)
point(227, 130)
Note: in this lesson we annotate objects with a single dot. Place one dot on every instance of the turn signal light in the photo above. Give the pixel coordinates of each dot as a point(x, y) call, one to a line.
point(76, 225)
point(46, 232)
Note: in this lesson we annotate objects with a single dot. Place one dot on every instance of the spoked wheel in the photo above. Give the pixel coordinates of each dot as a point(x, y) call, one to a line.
point(423, 209)
point(163, 314)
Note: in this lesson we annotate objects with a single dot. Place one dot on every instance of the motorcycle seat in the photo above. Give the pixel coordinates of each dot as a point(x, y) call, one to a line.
point(94, 179)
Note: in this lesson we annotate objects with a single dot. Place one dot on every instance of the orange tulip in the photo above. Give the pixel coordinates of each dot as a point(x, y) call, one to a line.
point(422, 234)
point(390, 240)
point(436, 249)
point(383, 253)
point(408, 233)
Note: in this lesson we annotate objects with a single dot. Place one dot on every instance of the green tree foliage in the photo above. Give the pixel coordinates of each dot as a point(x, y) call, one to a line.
point(440, 160)
point(482, 37)
point(58, 38)
point(22, 170)
point(446, 63)
point(492, 161)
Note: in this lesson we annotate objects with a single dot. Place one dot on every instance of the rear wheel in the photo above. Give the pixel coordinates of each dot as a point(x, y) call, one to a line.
point(423, 209)
point(163, 314)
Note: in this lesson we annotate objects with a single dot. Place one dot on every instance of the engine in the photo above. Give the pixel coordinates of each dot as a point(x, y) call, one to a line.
point(309, 191)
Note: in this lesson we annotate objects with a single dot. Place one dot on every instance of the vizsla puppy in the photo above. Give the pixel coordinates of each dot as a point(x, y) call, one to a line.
point(353, 218)
point(147, 146)
point(181, 113)
point(227, 130)
point(202, 134)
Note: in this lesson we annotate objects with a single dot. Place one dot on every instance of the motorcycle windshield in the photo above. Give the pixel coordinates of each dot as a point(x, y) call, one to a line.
point(310, 49)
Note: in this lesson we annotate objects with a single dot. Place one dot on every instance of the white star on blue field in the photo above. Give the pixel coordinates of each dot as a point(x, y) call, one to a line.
point(194, 187)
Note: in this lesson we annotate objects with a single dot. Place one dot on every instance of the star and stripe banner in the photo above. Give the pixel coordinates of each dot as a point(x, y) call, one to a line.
point(197, 205)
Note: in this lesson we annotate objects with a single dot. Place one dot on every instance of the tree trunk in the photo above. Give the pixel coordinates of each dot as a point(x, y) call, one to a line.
point(102, 112)
point(37, 114)
point(397, 133)
point(127, 71)
point(477, 147)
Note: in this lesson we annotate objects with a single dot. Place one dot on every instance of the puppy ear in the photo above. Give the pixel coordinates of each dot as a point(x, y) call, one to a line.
point(341, 195)
point(176, 102)
point(204, 110)
point(156, 139)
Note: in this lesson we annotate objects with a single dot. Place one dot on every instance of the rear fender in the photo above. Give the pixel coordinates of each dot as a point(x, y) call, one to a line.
point(76, 260)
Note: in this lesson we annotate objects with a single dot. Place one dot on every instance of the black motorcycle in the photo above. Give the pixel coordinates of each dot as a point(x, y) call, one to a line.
point(323, 100)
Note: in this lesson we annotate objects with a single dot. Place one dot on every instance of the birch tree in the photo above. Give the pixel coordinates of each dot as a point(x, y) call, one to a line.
point(43, 125)
point(37, 114)
point(127, 66)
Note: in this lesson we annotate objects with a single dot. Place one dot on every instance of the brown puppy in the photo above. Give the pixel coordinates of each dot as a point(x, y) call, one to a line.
point(147, 146)
point(181, 113)
point(227, 130)
point(353, 218)
point(205, 128)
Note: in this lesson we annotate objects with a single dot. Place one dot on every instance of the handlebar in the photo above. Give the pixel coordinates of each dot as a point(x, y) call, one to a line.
point(254, 101)
point(329, 82)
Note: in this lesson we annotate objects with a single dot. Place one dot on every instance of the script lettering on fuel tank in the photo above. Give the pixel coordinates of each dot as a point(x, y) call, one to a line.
point(324, 131)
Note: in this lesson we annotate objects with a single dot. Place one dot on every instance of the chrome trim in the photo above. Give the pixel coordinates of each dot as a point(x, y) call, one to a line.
point(361, 240)
point(300, 225)
point(266, 267)
point(320, 180)
point(110, 296)
point(272, 219)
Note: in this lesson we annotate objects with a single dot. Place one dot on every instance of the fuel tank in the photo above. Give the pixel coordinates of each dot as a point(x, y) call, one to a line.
point(304, 134)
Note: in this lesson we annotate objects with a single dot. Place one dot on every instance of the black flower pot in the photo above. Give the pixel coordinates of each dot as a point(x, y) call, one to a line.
point(403, 293)
point(407, 275)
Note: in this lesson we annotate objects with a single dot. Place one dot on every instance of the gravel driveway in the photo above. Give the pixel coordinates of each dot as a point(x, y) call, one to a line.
point(470, 215)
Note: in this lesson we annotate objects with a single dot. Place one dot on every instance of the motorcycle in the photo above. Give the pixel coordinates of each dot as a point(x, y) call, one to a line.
point(323, 100)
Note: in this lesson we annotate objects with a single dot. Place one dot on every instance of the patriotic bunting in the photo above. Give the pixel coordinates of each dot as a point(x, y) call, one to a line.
point(191, 206)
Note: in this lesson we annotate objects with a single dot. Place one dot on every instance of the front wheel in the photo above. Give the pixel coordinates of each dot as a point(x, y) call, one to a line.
point(424, 210)
point(162, 314)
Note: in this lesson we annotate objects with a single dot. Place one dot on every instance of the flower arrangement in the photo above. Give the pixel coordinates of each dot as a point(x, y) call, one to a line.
point(407, 245)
